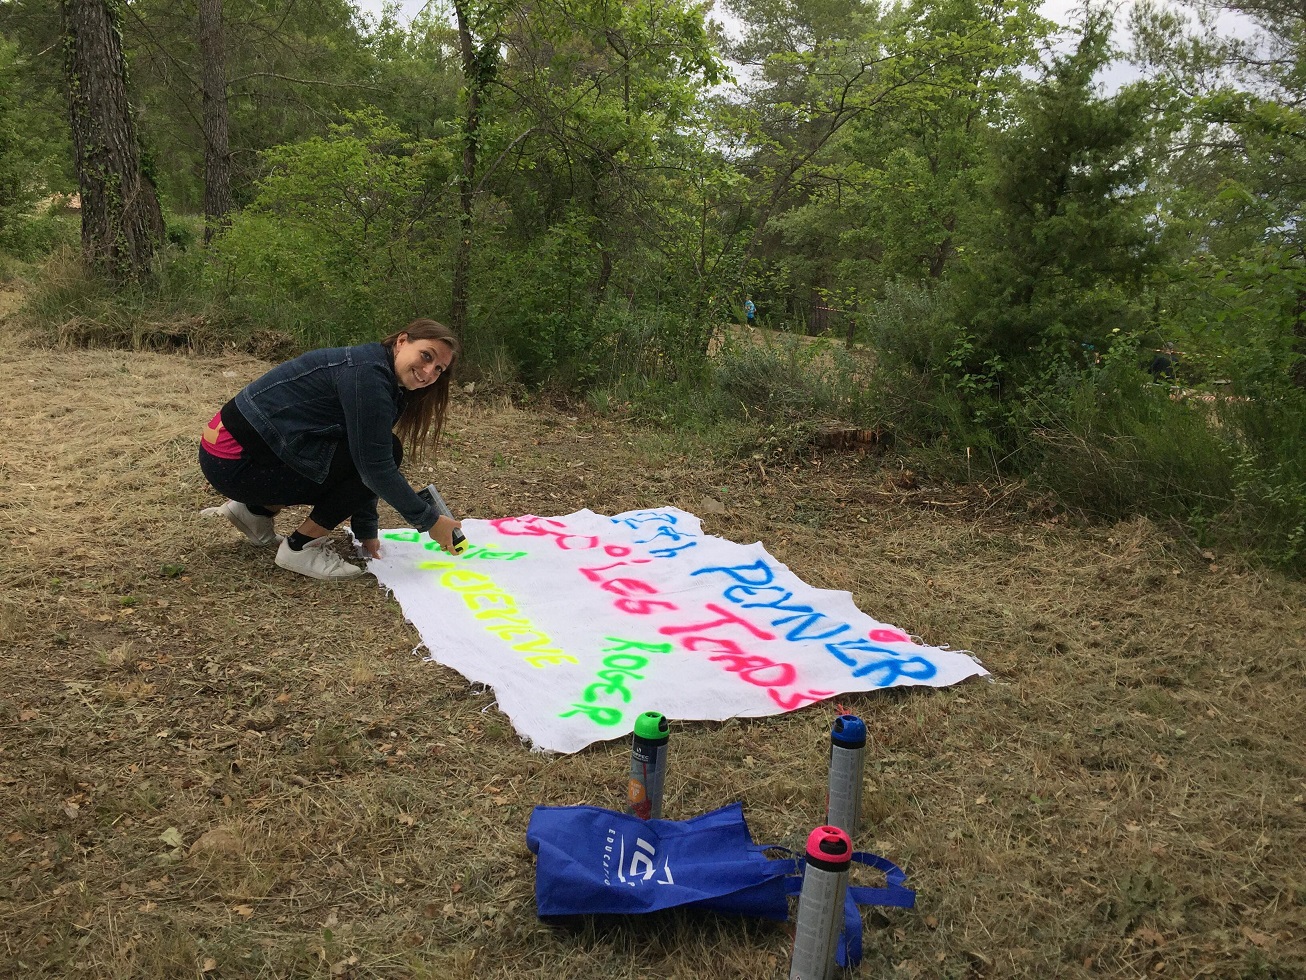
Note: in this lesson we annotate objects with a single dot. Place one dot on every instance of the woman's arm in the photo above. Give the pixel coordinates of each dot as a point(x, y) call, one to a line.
point(366, 397)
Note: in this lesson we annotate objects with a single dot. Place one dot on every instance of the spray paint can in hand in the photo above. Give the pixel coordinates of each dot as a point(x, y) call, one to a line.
point(820, 904)
point(843, 807)
point(432, 497)
point(648, 765)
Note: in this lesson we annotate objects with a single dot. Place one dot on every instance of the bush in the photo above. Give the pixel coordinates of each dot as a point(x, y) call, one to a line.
point(335, 247)
point(651, 347)
point(537, 302)
point(1270, 475)
point(34, 237)
point(779, 381)
point(81, 309)
point(909, 329)
point(1114, 445)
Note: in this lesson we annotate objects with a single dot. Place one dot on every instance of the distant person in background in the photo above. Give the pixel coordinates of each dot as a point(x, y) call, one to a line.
point(1164, 363)
point(319, 430)
point(750, 311)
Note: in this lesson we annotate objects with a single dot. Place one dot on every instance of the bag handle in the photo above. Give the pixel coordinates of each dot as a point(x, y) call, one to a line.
point(894, 894)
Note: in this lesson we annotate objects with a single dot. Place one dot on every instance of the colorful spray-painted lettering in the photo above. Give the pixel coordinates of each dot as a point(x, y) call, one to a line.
point(608, 617)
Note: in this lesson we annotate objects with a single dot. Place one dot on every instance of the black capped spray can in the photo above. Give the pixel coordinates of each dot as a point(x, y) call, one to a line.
point(648, 765)
point(432, 497)
point(820, 904)
point(843, 805)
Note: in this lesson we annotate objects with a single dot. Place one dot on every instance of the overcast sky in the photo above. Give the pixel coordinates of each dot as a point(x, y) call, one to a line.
point(1057, 10)
point(406, 7)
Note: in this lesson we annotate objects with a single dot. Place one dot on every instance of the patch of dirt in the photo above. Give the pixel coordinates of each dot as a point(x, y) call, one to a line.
point(10, 301)
point(209, 767)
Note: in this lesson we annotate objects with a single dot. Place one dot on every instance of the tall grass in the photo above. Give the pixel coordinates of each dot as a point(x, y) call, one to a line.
point(758, 393)
point(1115, 446)
point(72, 306)
point(1269, 467)
point(1232, 470)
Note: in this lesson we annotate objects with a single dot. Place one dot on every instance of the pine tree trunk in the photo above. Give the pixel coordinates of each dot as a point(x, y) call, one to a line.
point(122, 225)
point(217, 149)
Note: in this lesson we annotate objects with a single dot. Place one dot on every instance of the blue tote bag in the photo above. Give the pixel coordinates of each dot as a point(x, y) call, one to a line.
point(592, 861)
point(595, 861)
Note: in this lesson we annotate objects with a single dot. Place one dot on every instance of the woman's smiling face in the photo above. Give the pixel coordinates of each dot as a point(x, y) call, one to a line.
point(419, 363)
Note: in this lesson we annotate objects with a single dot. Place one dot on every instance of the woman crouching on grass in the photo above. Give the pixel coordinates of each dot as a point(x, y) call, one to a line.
point(320, 430)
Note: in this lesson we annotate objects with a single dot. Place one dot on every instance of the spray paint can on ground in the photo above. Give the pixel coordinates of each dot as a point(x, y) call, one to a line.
point(843, 807)
point(648, 765)
point(820, 904)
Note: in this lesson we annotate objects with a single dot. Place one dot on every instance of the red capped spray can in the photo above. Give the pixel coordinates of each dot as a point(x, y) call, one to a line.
point(648, 765)
point(820, 904)
point(843, 805)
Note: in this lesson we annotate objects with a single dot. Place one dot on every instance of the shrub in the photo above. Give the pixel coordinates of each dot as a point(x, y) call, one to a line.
point(909, 329)
point(335, 245)
point(81, 309)
point(1269, 474)
point(536, 301)
point(1114, 445)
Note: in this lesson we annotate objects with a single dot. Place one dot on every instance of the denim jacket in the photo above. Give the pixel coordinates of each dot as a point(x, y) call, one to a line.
point(307, 406)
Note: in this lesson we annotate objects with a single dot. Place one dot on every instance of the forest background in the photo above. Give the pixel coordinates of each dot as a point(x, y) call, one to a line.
point(1097, 293)
point(1041, 295)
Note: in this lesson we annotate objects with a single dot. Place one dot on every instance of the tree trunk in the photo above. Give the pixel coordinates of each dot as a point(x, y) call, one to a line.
point(466, 180)
point(217, 149)
point(121, 222)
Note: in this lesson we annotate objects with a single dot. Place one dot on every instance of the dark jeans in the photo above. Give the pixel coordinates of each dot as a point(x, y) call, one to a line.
point(259, 478)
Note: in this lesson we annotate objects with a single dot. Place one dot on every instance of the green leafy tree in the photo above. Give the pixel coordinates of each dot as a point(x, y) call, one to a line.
point(334, 240)
point(1236, 203)
point(922, 158)
point(20, 168)
point(868, 128)
point(582, 110)
point(1060, 268)
point(416, 72)
point(34, 83)
point(290, 67)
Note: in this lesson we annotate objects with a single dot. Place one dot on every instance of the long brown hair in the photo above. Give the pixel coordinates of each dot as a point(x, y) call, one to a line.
point(422, 416)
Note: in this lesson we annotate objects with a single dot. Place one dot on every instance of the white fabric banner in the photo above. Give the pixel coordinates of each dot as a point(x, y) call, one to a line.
point(582, 622)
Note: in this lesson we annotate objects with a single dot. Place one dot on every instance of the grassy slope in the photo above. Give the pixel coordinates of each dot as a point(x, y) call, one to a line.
point(1125, 800)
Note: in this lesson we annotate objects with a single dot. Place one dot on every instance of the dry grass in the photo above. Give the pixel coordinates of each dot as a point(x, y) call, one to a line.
point(210, 768)
point(826, 354)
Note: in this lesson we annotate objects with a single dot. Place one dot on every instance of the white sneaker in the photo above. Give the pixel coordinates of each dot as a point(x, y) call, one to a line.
point(316, 560)
point(258, 529)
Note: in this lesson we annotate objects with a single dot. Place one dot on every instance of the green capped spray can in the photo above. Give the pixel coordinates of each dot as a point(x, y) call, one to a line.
point(648, 765)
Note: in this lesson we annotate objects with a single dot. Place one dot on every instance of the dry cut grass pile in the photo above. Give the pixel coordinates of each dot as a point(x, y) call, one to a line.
point(211, 768)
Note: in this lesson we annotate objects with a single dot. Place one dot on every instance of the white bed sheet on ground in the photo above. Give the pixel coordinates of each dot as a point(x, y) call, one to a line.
point(582, 622)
